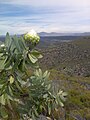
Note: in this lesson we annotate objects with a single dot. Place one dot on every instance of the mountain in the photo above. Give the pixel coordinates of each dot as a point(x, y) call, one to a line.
point(64, 34)
point(2, 38)
point(73, 55)
point(69, 66)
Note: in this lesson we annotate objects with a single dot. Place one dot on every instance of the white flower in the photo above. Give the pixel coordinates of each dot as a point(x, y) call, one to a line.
point(32, 36)
point(2, 45)
point(32, 33)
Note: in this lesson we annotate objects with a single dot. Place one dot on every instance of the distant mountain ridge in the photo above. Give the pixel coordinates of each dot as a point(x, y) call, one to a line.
point(55, 36)
point(64, 34)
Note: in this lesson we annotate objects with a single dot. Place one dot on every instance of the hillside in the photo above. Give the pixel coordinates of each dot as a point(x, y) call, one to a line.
point(68, 56)
point(68, 60)
point(69, 64)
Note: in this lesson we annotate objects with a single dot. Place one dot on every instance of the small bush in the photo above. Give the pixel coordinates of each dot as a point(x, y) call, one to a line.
point(23, 96)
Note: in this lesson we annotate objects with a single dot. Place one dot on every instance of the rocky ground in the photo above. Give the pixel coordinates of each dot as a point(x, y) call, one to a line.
point(69, 64)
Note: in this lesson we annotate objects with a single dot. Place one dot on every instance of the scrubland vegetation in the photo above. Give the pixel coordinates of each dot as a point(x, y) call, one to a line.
point(69, 65)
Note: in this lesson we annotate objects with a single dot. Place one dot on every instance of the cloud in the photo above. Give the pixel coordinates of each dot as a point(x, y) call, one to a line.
point(19, 16)
point(49, 2)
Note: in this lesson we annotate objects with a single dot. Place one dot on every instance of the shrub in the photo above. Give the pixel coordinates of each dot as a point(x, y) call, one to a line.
point(23, 96)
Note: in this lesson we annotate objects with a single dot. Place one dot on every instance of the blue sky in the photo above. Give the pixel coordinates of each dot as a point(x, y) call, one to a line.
point(20, 16)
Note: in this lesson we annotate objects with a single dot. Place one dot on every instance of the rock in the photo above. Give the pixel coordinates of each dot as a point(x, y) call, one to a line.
point(42, 117)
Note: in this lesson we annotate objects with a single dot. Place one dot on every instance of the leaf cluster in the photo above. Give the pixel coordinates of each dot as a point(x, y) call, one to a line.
point(20, 94)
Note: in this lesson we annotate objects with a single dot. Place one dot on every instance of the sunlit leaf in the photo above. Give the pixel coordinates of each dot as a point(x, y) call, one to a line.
point(8, 40)
point(11, 79)
point(32, 58)
point(2, 99)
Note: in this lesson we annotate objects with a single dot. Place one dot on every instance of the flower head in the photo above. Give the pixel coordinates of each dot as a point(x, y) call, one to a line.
point(32, 32)
point(32, 36)
point(2, 45)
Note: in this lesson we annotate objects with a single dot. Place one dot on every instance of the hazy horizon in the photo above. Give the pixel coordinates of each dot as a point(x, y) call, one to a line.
point(61, 16)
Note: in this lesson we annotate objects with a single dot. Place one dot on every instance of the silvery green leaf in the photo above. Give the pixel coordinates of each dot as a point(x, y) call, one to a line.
point(32, 58)
point(8, 40)
point(2, 99)
point(2, 64)
point(60, 102)
point(49, 86)
point(65, 93)
point(49, 108)
point(36, 73)
point(11, 79)
point(40, 72)
point(45, 96)
point(36, 54)
point(60, 92)
point(45, 74)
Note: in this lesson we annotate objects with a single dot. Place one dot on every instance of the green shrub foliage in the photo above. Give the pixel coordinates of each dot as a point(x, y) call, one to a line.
point(23, 96)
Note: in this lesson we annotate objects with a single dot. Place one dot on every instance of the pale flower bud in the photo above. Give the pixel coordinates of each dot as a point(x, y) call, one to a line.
point(2, 45)
point(32, 32)
point(32, 36)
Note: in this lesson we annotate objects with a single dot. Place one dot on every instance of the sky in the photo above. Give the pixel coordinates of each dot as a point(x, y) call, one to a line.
point(20, 16)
